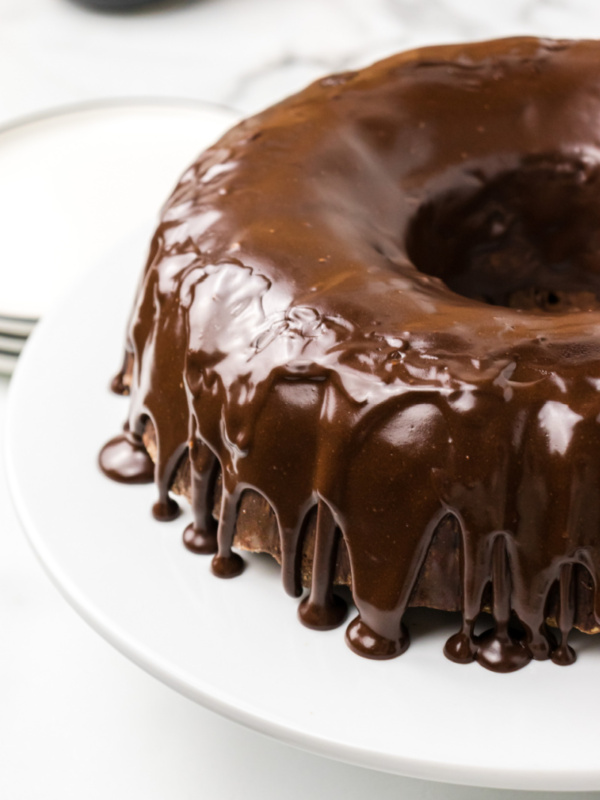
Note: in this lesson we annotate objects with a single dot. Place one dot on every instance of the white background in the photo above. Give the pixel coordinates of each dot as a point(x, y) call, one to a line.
point(76, 719)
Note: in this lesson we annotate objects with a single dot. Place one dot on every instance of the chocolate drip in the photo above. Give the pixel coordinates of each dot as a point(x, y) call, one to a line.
point(290, 546)
point(125, 459)
point(364, 641)
point(292, 581)
point(391, 309)
point(322, 609)
point(564, 654)
point(200, 536)
point(499, 649)
point(121, 382)
point(166, 509)
point(461, 647)
point(226, 563)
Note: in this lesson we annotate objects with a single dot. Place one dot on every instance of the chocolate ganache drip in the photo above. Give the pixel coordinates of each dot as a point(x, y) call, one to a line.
point(369, 322)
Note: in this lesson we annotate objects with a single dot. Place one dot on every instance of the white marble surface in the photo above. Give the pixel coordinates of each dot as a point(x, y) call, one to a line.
point(244, 53)
point(76, 719)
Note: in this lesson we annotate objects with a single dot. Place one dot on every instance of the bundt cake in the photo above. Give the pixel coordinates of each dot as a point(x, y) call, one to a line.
point(367, 341)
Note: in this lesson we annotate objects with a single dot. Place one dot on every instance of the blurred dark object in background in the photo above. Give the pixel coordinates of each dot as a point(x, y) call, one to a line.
point(123, 5)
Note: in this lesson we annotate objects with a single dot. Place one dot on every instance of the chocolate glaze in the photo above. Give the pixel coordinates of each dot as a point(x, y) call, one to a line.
point(120, 383)
point(379, 299)
point(125, 459)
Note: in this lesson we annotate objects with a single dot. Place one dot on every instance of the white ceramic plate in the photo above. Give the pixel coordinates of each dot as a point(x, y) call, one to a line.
point(236, 646)
point(83, 177)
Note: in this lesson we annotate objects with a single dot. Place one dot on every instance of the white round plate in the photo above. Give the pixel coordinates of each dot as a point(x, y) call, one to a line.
point(84, 176)
point(236, 646)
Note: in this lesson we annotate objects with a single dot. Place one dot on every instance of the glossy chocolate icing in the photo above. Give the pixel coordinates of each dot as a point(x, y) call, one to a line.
point(378, 299)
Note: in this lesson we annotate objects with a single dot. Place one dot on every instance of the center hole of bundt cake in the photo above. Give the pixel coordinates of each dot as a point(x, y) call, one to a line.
point(528, 239)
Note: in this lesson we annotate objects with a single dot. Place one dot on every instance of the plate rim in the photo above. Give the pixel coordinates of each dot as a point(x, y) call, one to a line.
point(25, 323)
point(112, 103)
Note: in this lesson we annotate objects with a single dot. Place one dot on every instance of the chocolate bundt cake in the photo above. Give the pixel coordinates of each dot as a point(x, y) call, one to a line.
point(367, 341)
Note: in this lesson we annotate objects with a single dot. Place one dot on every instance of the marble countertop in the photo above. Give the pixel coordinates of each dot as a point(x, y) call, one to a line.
point(76, 719)
point(243, 53)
